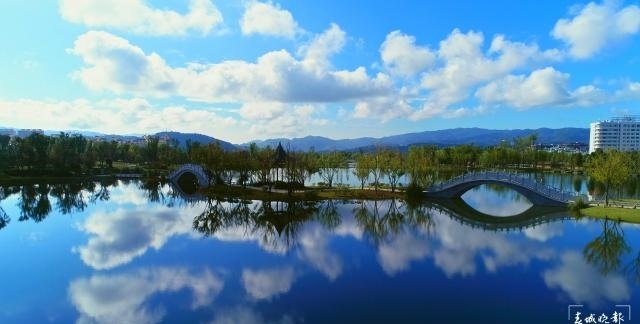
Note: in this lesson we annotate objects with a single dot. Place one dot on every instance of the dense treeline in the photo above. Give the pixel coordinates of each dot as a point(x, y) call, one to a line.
point(67, 154)
point(73, 154)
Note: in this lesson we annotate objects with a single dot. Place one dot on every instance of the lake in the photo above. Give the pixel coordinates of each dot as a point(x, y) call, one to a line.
point(137, 252)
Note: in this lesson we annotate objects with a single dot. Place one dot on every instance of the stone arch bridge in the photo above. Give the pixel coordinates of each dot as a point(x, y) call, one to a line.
point(194, 169)
point(537, 193)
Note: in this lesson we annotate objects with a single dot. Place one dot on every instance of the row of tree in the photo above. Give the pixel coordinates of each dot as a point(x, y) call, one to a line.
point(66, 153)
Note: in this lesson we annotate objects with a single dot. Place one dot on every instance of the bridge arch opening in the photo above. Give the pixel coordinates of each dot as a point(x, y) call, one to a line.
point(188, 183)
point(496, 200)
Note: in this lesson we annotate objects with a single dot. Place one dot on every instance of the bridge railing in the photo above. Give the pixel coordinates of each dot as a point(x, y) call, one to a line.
point(540, 188)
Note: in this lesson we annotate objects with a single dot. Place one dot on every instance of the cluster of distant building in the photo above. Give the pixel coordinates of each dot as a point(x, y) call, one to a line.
point(22, 133)
point(576, 147)
point(135, 140)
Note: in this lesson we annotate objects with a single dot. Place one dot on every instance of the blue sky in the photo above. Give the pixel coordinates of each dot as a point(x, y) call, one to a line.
point(242, 70)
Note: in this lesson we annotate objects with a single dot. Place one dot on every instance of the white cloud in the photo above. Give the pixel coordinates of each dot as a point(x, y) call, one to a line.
point(265, 284)
point(384, 108)
point(496, 204)
point(461, 246)
point(138, 17)
point(117, 237)
point(122, 298)
point(464, 65)
point(400, 54)
point(583, 284)
point(271, 119)
point(596, 26)
point(268, 19)
point(314, 249)
point(544, 232)
point(318, 51)
point(630, 91)
point(119, 116)
point(113, 64)
point(244, 315)
point(269, 242)
point(542, 87)
point(262, 110)
point(396, 256)
point(590, 95)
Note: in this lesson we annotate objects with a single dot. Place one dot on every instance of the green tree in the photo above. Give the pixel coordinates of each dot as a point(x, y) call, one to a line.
point(420, 164)
point(33, 151)
point(67, 151)
point(612, 168)
point(393, 166)
point(5, 153)
point(262, 160)
point(152, 148)
point(363, 169)
point(241, 164)
point(331, 165)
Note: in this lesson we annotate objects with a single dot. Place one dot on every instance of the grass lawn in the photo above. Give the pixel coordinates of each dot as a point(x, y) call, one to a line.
point(629, 215)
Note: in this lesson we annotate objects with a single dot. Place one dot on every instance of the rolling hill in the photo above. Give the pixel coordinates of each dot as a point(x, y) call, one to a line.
point(477, 136)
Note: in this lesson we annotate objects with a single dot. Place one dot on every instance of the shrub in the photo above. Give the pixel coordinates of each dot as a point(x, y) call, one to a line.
point(578, 204)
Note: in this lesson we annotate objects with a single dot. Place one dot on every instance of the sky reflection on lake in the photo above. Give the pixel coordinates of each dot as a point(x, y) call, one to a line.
point(129, 259)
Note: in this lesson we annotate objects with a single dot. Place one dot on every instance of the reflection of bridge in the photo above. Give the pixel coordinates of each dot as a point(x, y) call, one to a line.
point(188, 197)
point(189, 168)
point(537, 193)
point(532, 217)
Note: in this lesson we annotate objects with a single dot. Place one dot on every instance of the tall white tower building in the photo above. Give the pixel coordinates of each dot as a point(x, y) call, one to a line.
point(620, 133)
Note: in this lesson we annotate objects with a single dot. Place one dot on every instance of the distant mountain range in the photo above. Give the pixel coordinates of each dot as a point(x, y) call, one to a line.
point(447, 137)
point(194, 137)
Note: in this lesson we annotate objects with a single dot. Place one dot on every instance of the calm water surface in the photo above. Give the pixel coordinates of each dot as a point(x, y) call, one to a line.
point(136, 253)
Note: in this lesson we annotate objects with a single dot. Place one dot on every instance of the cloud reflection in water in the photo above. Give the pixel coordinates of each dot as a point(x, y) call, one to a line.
point(124, 298)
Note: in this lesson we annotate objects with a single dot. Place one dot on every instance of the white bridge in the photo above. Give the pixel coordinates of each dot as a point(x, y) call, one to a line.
point(194, 169)
point(538, 193)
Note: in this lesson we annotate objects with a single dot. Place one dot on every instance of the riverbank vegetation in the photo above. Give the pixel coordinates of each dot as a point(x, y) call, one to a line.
point(619, 213)
point(378, 168)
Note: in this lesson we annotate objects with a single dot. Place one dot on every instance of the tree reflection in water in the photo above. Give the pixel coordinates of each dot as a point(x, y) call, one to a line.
point(70, 197)
point(103, 193)
point(153, 189)
point(605, 251)
point(34, 202)
point(5, 192)
point(383, 220)
point(274, 222)
point(4, 218)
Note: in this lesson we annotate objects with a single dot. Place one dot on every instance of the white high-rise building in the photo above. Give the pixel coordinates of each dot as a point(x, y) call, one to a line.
point(621, 133)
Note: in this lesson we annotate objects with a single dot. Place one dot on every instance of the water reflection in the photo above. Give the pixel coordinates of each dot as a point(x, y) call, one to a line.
point(262, 259)
point(118, 236)
point(584, 284)
point(605, 251)
point(382, 220)
point(275, 222)
point(609, 252)
point(496, 200)
point(125, 297)
point(267, 283)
